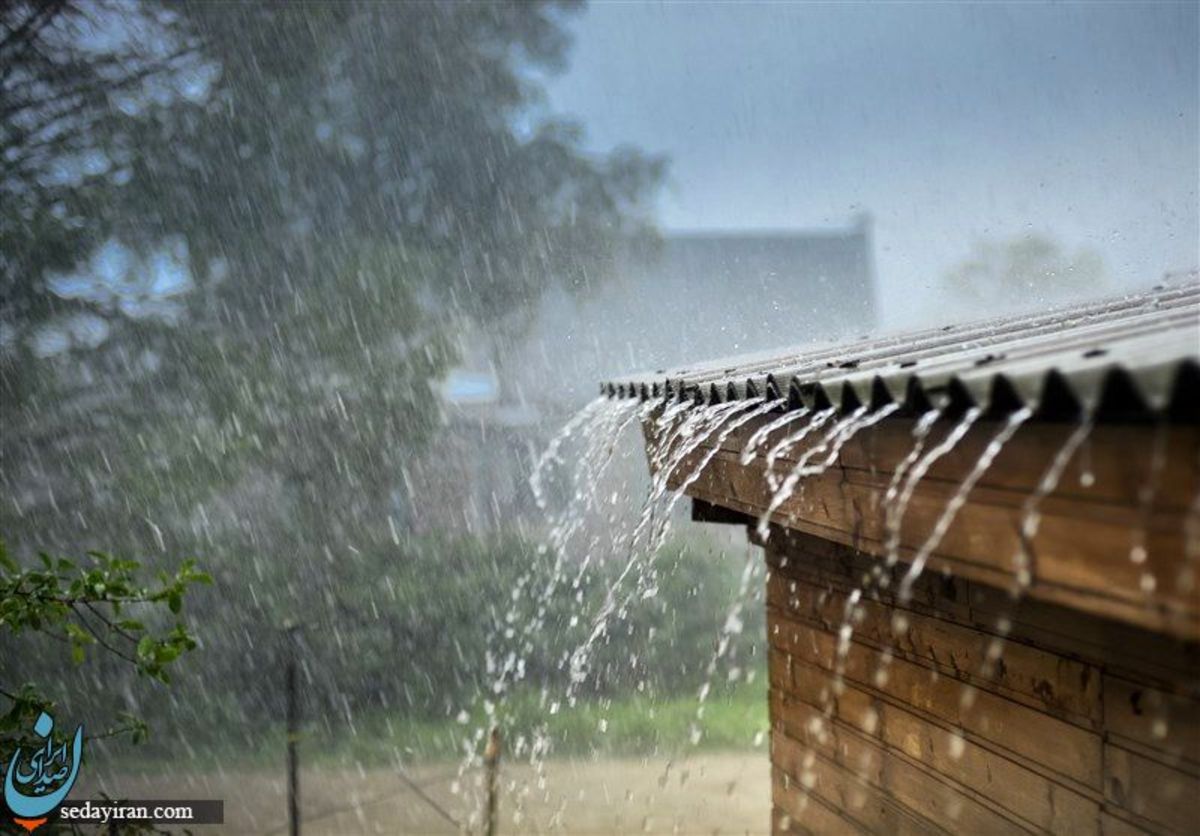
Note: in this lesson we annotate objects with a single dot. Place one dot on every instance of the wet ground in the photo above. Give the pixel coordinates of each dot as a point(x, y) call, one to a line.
point(711, 793)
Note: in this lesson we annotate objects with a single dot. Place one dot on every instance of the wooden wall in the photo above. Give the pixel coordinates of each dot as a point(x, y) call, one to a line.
point(1081, 554)
point(1079, 725)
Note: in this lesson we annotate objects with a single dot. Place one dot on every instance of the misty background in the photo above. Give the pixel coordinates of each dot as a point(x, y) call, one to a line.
point(304, 291)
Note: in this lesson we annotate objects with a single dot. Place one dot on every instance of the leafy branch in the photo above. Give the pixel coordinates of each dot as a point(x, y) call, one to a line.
point(91, 607)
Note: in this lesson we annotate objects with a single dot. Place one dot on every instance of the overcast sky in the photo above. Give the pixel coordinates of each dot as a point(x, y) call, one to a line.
point(950, 123)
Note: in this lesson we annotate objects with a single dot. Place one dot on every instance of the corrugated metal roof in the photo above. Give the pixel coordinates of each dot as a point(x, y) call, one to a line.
point(1126, 357)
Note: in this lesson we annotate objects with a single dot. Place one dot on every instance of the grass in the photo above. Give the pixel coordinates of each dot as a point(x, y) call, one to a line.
point(733, 718)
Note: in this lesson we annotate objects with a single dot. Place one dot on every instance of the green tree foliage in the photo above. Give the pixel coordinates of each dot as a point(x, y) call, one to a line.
point(1011, 273)
point(236, 242)
point(338, 185)
point(66, 92)
point(102, 606)
point(408, 631)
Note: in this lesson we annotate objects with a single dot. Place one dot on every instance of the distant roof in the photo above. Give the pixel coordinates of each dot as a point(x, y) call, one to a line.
point(464, 386)
point(1129, 356)
point(709, 283)
point(835, 253)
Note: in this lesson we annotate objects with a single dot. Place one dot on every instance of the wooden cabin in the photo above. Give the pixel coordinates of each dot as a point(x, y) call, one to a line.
point(1042, 674)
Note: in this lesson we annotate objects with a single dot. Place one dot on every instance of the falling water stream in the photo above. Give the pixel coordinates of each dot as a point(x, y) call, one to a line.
point(686, 438)
point(833, 442)
point(959, 498)
point(818, 420)
point(760, 435)
point(1031, 517)
point(707, 420)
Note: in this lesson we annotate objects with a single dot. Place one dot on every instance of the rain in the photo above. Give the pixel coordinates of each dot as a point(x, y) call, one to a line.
point(488, 417)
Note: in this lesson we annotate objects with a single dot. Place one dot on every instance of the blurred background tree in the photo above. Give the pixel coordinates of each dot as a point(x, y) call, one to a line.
point(236, 244)
point(1007, 274)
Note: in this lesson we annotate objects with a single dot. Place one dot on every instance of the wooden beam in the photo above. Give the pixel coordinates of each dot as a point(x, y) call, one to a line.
point(1116, 491)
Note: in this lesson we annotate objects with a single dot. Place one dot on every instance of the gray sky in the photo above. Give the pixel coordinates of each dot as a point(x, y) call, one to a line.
point(949, 123)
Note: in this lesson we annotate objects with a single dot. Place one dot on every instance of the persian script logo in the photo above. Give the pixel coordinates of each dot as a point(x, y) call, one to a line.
point(33, 789)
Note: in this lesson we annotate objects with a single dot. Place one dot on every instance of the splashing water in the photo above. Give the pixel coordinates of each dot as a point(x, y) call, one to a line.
point(852, 610)
point(1023, 561)
point(698, 470)
point(818, 420)
point(913, 469)
point(917, 472)
point(671, 425)
point(836, 437)
point(895, 502)
point(686, 437)
point(676, 439)
point(959, 498)
point(700, 425)
point(732, 626)
point(760, 435)
point(597, 455)
point(844, 435)
point(1138, 552)
point(597, 427)
point(920, 434)
point(550, 454)
point(704, 422)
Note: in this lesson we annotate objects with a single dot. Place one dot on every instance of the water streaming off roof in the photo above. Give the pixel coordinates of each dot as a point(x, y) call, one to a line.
point(898, 530)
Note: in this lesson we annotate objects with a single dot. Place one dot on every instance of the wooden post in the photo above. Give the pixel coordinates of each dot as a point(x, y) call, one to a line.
point(293, 734)
point(491, 766)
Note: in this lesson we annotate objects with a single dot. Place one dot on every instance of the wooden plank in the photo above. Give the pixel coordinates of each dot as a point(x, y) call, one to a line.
point(1115, 825)
point(803, 558)
point(1003, 769)
point(1152, 790)
point(779, 668)
point(1121, 648)
point(1161, 725)
point(1006, 725)
point(1062, 687)
point(797, 812)
point(1112, 475)
point(810, 776)
point(923, 796)
point(985, 531)
point(1151, 720)
point(1085, 566)
point(1003, 781)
